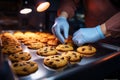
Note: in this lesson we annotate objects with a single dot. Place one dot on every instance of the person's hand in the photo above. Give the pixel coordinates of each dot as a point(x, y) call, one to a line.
point(61, 25)
point(87, 35)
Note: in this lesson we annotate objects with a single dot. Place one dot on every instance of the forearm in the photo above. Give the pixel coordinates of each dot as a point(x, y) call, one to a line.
point(113, 25)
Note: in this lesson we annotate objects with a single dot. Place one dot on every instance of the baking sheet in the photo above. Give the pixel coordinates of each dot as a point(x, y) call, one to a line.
point(45, 73)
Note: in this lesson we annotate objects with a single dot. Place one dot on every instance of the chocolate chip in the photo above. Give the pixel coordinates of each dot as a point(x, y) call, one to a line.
point(62, 58)
point(17, 46)
point(15, 65)
point(32, 64)
point(28, 62)
point(21, 53)
point(15, 56)
point(51, 63)
point(52, 57)
point(47, 59)
point(66, 47)
point(45, 49)
point(28, 54)
point(24, 69)
point(21, 65)
point(83, 49)
point(57, 60)
point(69, 57)
point(74, 53)
point(56, 56)
point(51, 49)
point(22, 58)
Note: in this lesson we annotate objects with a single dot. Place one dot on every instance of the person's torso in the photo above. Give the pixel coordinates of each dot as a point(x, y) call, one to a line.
point(98, 11)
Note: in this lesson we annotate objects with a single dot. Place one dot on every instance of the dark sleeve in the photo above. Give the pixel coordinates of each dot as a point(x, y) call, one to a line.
point(68, 6)
point(113, 25)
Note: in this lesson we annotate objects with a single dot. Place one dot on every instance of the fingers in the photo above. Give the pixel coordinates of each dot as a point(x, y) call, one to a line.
point(56, 31)
point(65, 31)
point(76, 41)
point(78, 38)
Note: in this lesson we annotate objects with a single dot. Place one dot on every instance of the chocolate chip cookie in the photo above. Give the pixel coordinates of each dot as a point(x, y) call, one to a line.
point(86, 50)
point(24, 67)
point(20, 56)
point(55, 61)
point(47, 51)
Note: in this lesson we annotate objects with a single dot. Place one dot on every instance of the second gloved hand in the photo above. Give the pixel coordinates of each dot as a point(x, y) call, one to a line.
point(61, 25)
point(88, 35)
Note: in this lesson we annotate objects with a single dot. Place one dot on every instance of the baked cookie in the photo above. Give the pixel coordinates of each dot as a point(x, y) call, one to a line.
point(52, 42)
point(86, 50)
point(11, 49)
point(50, 36)
point(55, 61)
point(20, 56)
point(24, 67)
point(10, 44)
point(9, 39)
point(47, 51)
point(64, 47)
point(19, 35)
point(72, 56)
point(36, 45)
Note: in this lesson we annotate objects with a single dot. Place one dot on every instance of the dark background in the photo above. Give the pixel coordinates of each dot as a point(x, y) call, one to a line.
point(11, 19)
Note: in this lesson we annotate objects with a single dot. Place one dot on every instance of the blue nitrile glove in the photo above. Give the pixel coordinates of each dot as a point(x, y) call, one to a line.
point(87, 35)
point(61, 25)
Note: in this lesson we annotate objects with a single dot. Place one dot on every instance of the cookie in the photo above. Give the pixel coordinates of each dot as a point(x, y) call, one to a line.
point(10, 44)
point(9, 39)
point(11, 49)
point(47, 51)
point(24, 67)
point(35, 45)
point(19, 35)
point(20, 56)
point(52, 42)
point(72, 56)
point(86, 50)
point(64, 47)
point(51, 37)
point(55, 61)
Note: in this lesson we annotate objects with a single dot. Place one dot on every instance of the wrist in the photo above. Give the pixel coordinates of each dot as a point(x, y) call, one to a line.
point(104, 30)
point(99, 30)
point(64, 14)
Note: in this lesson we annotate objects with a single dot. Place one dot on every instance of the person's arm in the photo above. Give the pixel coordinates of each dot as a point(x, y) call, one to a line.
point(90, 35)
point(61, 27)
point(113, 25)
point(67, 8)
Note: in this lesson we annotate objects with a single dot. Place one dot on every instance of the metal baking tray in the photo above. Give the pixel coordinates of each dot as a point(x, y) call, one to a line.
point(44, 73)
point(107, 55)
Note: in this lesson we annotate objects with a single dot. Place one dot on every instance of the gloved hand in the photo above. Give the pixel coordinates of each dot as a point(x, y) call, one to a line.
point(61, 25)
point(88, 35)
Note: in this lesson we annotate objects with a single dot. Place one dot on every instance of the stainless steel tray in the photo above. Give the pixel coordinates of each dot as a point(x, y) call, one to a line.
point(45, 73)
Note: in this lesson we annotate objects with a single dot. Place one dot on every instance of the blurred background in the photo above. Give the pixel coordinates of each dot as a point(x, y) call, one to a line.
point(12, 19)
